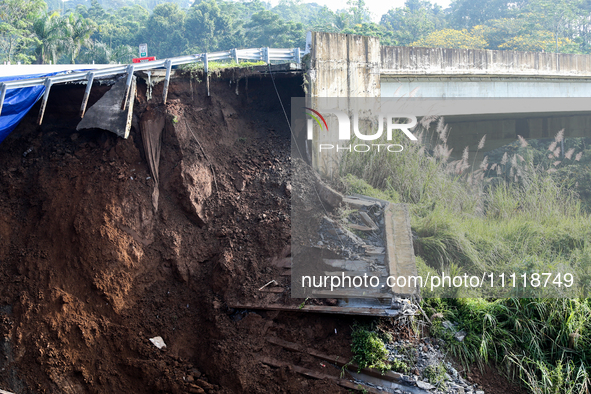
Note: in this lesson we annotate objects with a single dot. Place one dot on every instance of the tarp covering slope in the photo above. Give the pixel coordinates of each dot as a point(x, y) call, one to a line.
point(17, 102)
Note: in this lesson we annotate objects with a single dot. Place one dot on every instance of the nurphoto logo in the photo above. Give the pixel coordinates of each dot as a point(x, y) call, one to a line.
point(392, 121)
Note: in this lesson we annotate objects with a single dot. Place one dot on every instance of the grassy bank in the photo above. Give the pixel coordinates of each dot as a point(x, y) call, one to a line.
point(523, 210)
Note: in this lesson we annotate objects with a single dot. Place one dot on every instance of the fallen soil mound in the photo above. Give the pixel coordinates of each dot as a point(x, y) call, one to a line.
point(91, 270)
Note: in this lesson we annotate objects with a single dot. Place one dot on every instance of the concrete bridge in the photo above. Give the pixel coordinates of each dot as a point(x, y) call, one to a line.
point(541, 93)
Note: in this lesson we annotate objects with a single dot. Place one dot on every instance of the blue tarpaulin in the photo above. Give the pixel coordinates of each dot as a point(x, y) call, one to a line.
point(17, 102)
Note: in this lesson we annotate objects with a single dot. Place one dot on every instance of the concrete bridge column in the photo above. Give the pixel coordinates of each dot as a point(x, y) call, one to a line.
point(341, 66)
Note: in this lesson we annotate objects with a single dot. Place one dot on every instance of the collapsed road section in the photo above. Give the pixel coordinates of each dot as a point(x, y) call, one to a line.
point(110, 245)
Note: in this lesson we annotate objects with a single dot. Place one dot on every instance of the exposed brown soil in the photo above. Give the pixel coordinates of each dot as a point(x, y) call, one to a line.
point(89, 270)
point(491, 381)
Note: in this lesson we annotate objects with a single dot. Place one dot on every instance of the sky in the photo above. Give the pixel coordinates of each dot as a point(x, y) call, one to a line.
point(376, 7)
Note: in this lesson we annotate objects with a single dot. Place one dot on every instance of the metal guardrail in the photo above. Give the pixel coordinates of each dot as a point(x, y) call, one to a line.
point(258, 54)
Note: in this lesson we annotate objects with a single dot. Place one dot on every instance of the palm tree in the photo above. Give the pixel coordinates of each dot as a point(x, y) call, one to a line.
point(78, 31)
point(98, 52)
point(124, 54)
point(49, 30)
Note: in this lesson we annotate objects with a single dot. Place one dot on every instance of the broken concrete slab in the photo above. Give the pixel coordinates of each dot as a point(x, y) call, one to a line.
point(373, 250)
point(366, 311)
point(367, 220)
point(359, 227)
point(349, 265)
point(358, 203)
point(317, 375)
point(106, 114)
point(399, 248)
point(352, 293)
point(355, 273)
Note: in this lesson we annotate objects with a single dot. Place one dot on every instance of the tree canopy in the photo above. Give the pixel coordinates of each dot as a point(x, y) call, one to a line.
point(109, 31)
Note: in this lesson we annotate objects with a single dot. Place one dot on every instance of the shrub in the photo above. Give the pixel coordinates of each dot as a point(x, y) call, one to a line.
point(368, 349)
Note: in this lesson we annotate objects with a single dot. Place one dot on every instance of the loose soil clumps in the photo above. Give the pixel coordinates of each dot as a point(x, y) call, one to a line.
point(94, 262)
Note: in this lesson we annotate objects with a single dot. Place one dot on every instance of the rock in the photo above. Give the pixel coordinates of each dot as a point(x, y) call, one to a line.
point(479, 392)
point(158, 342)
point(460, 335)
point(190, 379)
point(239, 183)
point(424, 385)
point(204, 384)
point(454, 372)
point(447, 324)
point(196, 389)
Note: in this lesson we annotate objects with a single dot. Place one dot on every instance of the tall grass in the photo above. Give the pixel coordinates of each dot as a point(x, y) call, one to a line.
point(420, 177)
point(517, 213)
point(543, 342)
point(510, 215)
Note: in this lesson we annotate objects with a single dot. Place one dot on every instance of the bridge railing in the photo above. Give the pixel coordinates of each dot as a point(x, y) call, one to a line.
point(266, 55)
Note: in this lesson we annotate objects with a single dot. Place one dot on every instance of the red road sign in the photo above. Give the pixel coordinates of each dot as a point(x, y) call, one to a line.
point(143, 59)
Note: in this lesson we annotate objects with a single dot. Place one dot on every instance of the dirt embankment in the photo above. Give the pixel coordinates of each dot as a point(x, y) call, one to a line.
point(89, 270)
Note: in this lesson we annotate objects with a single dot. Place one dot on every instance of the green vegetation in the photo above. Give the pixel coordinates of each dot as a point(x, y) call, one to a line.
point(521, 214)
point(216, 66)
point(109, 31)
point(369, 349)
point(542, 342)
point(524, 208)
point(435, 373)
point(399, 366)
point(357, 185)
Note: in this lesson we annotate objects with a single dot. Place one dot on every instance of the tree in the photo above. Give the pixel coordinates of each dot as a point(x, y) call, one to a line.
point(414, 21)
point(465, 14)
point(209, 29)
point(450, 38)
point(540, 41)
point(359, 12)
point(296, 11)
point(49, 29)
point(373, 30)
point(266, 29)
point(556, 16)
point(16, 22)
point(99, 53)
point(326, 21)
point(164, 31)
point(152, 4)
point(77, 34)
point(583, 26)
point(96, 12)
point(497, 32)
point(123, 26)
point(123, 54)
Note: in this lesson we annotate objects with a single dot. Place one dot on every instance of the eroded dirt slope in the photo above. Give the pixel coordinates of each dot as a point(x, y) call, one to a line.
point(89, 270)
